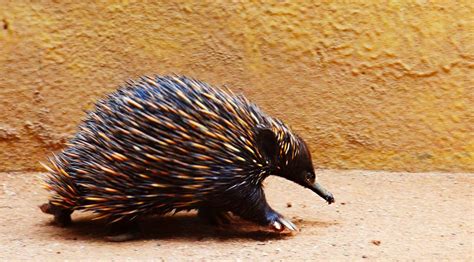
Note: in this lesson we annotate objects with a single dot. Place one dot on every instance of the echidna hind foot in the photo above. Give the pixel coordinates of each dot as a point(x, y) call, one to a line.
point(123, 231)
point(259, 211)
point(214, 216)
point(62, 216)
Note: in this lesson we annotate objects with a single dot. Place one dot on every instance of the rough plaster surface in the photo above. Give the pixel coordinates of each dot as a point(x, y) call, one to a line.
point(369, 86)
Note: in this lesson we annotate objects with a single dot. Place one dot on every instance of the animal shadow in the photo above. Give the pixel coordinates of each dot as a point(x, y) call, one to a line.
point(185, 226)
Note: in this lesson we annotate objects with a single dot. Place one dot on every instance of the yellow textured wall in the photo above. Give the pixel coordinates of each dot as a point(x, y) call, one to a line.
point(372, 86)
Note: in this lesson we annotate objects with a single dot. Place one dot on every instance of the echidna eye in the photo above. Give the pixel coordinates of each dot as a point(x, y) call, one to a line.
point(310, 177)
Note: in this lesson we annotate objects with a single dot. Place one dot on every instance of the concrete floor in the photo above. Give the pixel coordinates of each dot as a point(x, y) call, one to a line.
point(377, 215)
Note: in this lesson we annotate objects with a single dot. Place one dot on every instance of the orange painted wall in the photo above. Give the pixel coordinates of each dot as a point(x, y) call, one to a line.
point(370, 86)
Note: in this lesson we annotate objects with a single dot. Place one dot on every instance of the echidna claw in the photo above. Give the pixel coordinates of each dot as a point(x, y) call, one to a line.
point(283, 223)
point(277, 226)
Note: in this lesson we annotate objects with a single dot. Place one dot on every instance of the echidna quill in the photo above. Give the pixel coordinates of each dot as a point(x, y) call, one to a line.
point(171, 143)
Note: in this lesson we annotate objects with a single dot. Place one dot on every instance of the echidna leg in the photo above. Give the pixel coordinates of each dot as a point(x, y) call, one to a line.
point(257, 209)
point(62, 216)
point(123, 230)
point(214, 216)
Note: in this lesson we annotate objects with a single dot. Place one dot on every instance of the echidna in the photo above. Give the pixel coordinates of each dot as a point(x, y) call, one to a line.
point(171, 143)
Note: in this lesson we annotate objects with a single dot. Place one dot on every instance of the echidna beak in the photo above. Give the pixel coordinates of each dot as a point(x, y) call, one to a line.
point(326, 195)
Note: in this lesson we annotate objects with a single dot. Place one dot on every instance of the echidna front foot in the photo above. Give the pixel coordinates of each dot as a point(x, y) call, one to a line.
point(276, 221)
point(123, 231)
point(258, 210)
point(62, 216)
point(214, 216)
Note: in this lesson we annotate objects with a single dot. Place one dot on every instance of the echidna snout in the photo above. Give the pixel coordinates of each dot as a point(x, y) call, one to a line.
point(300, 169)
